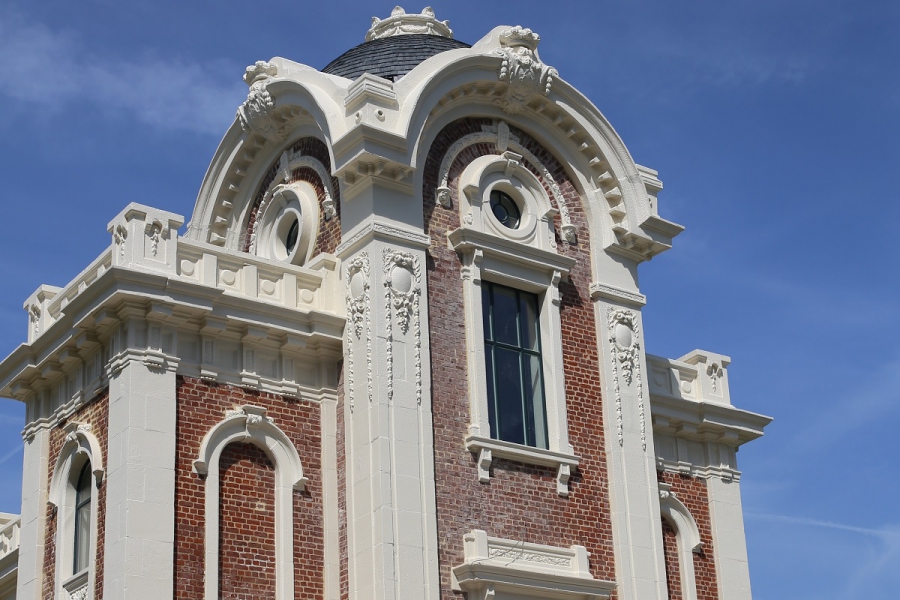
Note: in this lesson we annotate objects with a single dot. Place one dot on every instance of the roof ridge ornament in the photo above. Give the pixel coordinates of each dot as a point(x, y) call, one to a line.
point(401, 23)
point(522, 69)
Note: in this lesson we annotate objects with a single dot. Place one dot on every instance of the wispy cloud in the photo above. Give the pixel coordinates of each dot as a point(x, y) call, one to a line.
point(55, 70)
point(17, 449)
point(887, 533)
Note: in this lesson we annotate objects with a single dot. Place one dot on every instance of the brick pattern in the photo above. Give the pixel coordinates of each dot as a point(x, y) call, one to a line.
point(673, 572)
point(691, 491)
point(521, 501)
point(247, 524)
point(329, 231)
point(96, 414)
point(201, 405)
point(341, 449)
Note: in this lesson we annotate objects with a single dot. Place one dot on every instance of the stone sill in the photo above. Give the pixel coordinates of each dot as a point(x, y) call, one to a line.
point(488, 449)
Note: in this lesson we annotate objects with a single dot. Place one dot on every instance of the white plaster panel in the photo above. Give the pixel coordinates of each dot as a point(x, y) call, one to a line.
point(727, 523)
point(34, 499)
point(140, 460)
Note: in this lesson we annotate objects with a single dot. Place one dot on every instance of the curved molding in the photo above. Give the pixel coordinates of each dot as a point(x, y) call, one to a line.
point(80, 446)
point(250, 424)
point(289, 105)
point(505, 140)
point(79, 441)
point(687, 536)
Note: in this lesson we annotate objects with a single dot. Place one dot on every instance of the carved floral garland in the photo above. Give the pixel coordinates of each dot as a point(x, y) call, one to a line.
point(357, 317)
point(406, 305)
point(626, 360)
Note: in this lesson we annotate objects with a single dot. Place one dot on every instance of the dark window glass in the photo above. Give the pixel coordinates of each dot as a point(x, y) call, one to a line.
point(513, 364)
point(293, 234)
point(83, 491)
point(505, 209)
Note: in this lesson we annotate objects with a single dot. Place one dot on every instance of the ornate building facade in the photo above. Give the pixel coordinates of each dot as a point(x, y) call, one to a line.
point(397, 353)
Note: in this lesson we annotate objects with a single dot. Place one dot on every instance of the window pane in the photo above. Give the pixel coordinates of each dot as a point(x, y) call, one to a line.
point(486, 310)
point(492, 410)
point(510, 418)
point(529, 322)
point(504, 313)
point(82, 536)
point(534, 400)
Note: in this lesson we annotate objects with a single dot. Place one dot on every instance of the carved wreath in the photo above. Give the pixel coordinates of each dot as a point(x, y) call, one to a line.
point(403, 302)
point(626, 355)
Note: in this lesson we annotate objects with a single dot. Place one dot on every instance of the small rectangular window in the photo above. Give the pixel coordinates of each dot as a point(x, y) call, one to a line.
point(515, 379)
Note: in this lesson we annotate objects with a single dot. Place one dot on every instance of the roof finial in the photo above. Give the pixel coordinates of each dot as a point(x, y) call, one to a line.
point(400, 23)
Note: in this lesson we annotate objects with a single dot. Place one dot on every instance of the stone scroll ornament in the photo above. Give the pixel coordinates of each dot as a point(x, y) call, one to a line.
point(255, 114)
point(521, 68)
point(358, 318)
point(624, 333)
point(402, 278)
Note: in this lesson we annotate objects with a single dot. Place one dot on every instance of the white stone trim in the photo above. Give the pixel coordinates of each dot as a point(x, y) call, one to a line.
point(488, 449)
point(525, 259)
point(251, 425)
point(79, 441)
point(687, 536)
point(80, 447)
point(497, 565)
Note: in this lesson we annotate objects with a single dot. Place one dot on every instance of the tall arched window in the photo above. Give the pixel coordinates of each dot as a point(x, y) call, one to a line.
point(82, 549)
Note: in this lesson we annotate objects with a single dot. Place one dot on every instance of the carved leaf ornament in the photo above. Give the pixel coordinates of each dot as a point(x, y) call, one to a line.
point(521, 68)
point(255, 113)
point(624, 333)
point(401, 282)
point(358, 300)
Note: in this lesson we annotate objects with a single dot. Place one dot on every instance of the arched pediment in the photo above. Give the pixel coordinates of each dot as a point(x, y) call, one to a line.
point(79, 442)
point(481, 81)
point(286, 102)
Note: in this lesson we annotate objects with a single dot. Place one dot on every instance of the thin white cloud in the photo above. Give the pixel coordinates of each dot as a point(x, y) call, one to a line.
point(13, 452)
point(54, 70)
point(887, 532)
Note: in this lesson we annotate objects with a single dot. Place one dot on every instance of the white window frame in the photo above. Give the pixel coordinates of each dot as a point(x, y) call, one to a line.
point(80, 447)
point(250, 424)
point(687, 538)
point(523, 259)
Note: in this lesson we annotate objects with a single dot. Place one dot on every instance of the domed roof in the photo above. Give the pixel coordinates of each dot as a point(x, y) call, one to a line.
point(390, 57)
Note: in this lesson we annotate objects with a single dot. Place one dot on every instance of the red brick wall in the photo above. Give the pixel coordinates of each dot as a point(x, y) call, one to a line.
point(96, 414)
point(521, 501)
point(202, 405)
point(330, 230)
point(246, 524)
point(691, 491)
point(673, 572)
point(341, 449)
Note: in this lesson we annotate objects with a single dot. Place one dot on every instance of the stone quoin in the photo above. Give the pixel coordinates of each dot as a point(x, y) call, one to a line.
point(397, 353)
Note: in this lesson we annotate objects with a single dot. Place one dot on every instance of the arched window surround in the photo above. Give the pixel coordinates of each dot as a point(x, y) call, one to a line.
point(250, 424)
point(525, 259)
point(80, 447)
point(687, 538)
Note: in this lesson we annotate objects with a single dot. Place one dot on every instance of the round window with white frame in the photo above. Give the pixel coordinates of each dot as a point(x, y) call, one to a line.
point(286, 230)
point(503, 198)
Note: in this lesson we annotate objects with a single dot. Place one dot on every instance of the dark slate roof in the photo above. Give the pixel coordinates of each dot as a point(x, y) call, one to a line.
point(390, 57)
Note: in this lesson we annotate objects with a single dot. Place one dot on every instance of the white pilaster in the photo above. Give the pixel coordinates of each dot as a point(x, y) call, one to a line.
point(34, 515)
point(634, 492)
point(140, 484)
point(727, 523)
point(391, 514)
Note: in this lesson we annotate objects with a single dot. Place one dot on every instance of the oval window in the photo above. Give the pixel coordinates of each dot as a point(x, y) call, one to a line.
point(505, 209)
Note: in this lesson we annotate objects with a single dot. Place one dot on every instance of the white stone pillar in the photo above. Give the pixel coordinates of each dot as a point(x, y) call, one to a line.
point(35, 481)
point(140, 483)
point(634, 492)
point(391, 513)
point(729, 544)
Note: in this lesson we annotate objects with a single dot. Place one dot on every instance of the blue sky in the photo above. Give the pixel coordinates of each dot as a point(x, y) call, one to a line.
point(774, 127)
